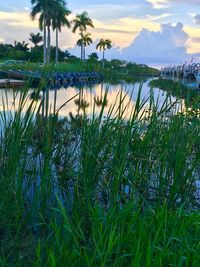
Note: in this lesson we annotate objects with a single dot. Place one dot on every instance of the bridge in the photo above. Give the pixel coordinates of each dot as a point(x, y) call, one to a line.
point(190, 72)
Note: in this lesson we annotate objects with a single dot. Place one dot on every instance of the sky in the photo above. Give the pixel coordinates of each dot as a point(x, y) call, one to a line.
point(154, 32)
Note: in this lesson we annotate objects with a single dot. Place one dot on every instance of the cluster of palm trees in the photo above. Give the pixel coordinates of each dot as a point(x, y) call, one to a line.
point(53, 14)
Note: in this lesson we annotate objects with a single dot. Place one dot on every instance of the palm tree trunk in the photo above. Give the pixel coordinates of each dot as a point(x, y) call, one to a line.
point(56, 46)
point(48, 44)
point(45, 43)
point(103, 58)
point(82, 53)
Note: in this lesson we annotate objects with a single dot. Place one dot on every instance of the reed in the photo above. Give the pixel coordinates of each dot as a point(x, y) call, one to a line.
point(120, 188)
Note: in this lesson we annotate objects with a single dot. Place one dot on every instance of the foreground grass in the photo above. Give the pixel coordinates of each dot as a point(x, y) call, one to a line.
point(104, 191)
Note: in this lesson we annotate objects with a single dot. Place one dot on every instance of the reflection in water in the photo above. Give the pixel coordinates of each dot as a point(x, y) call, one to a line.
point(99, 101)
point(82, 105)
point(86, 97)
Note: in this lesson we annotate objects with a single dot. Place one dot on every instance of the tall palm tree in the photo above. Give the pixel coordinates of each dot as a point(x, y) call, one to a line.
point(84, 41)
point(35, 38)
point(102, 46)
point(81, 22)
point(42, 7)
point(80, 44)
point(59, 19)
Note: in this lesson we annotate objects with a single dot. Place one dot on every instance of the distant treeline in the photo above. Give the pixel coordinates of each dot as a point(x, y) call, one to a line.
point(21, 51)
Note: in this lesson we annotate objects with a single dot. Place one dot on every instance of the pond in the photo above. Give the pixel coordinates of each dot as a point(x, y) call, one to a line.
point(84, 98)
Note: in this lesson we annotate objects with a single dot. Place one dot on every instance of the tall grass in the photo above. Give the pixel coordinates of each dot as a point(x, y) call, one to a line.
point(99, 191)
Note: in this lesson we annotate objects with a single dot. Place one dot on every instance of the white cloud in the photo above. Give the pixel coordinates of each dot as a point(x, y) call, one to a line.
point(18, 19)
point(157, 4)
point(167, 45)
point(27, 8)
point(162, 16)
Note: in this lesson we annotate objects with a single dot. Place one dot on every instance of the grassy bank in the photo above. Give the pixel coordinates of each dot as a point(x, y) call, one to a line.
point(111, 71)
point(104, 191)
point(178, 90)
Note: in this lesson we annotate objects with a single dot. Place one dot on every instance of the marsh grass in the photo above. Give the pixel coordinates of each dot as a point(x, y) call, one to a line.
point(99, 191)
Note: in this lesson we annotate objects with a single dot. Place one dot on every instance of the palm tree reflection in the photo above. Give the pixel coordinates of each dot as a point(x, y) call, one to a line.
point(82, 105)
point(100, 101)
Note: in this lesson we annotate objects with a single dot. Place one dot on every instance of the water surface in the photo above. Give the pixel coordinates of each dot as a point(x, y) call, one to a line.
point(85, 97)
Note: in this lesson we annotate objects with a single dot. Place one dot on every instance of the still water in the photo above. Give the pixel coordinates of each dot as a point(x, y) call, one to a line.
point(89, 96)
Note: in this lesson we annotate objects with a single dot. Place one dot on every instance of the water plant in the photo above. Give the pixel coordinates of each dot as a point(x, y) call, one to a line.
point(119, 188)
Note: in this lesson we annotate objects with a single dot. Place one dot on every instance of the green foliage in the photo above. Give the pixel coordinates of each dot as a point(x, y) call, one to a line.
point(93, 57)
point(99, 191)
point(104, 44)
point(36, 38)
point(21, 46)
point(177, 89)
point(59, 15)
point(136, 68)
point(17, 54)
point(4, 50)
point(36, 54)
point(81, 22)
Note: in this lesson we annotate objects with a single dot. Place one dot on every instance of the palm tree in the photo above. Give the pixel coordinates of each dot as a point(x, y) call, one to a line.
point(81, 22)
point(41, 7)
point(102, 46)
point(48, 24)
point(23, 46)
point(59, 19)
point(84, 41)
point(35, 38)
point(80, 43)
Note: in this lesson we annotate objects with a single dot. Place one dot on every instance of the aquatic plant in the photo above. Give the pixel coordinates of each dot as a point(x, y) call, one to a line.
point(99, 191)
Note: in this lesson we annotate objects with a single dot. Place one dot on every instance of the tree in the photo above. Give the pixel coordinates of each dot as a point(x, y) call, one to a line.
point(40, 7)
point(44, 8)
point(93, 57)
point(4, 50)
point(84, 41)
point(50, 8)
point(81, 22)
point(35, 38)
point(59, 19)
point(36, 54)
point(21, 46)
point(102, 46)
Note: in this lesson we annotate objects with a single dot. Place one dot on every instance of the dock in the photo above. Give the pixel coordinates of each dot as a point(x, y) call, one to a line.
point(11, 83)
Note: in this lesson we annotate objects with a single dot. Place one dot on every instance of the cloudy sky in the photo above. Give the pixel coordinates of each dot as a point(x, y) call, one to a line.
point(144, 31)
